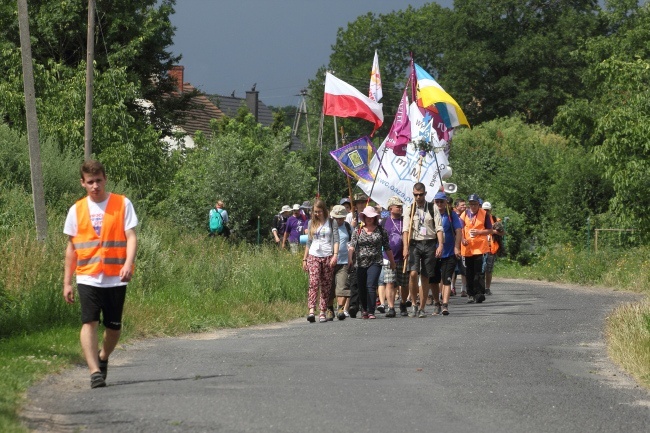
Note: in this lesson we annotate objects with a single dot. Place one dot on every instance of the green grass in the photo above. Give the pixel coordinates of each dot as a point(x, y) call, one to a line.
point(25, 359)
point(619, 270)
point(628, 339)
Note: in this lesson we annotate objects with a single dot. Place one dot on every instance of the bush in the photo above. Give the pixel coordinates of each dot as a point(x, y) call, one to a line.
point(248, 168)
point(544, 184)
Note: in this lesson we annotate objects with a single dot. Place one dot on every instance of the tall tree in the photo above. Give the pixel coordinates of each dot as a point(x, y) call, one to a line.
point(508, 56)
point(134, 35)
point(613, 118)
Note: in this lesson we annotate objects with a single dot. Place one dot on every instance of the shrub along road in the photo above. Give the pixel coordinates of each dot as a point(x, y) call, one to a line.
point(531, 358)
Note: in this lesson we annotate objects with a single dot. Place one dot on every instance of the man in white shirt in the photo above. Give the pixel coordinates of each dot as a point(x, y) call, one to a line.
point(101, 251)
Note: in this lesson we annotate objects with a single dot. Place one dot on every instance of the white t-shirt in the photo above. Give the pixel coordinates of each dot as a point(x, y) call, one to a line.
point(321, 243)
point(97, 211)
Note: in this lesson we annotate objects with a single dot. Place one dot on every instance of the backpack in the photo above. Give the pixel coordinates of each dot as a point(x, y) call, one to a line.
point(216, 221)
point(498, 226)
point(348, 228)
point(280, 223)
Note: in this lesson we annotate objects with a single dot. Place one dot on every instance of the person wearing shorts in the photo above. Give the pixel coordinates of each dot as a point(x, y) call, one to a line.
point(446, 264)
point(340, 286)
point(395, 278)
point(423, 241)
point(101, 252)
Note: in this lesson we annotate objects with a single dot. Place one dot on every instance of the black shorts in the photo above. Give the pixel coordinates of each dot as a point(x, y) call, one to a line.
point(107, 300)
point(422, 257)
point(444, 271)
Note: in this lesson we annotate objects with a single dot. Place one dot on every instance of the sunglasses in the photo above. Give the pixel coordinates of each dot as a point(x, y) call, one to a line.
point(415, 194)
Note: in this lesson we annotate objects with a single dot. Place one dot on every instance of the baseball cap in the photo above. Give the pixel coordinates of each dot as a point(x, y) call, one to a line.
point(440, 196)
point(487, 205)
point(344, 200)
point(296, 207)
point(473, 197)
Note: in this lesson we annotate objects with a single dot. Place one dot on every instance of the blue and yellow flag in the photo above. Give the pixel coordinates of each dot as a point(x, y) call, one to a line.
point(354, 159)
point(432, 96)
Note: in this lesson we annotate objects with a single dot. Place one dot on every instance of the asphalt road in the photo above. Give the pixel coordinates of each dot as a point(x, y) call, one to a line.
point(530, 359)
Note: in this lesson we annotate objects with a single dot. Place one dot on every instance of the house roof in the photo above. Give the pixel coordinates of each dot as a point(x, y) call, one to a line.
point(199, 116)
point(230, 105)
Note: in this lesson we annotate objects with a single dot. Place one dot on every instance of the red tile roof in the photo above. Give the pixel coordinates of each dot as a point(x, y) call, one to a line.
point(199, 117)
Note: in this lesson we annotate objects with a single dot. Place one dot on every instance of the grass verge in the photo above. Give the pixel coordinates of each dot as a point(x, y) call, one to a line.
point(628, 339)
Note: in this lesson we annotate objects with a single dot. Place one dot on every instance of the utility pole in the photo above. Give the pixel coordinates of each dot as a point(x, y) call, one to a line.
point(38, 194)
point(90, 58)
point(302, 109)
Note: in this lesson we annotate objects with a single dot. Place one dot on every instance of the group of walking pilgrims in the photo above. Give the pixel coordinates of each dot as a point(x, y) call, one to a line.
point(371, 261)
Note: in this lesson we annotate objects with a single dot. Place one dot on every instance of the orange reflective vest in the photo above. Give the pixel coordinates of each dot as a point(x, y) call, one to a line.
point(477, 244)
point(104, 253)
point(493, 245)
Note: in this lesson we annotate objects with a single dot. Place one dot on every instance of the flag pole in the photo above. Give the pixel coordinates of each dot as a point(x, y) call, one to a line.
point(346, 176)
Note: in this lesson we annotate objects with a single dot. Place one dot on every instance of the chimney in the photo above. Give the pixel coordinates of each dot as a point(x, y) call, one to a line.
point(252, 102)
point(176, 73)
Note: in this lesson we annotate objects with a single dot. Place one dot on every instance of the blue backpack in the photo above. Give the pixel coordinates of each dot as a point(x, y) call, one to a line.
point(216, 221)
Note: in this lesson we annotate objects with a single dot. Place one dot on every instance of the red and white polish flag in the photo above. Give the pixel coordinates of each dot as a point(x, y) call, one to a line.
point(343, 100)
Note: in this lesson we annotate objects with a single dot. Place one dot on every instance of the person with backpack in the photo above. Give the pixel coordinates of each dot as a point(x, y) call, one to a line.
point(218, 218)
point(340, 286)
point(423, 242)
point(495, 245)
point(446, 263)
point(280, 224)
point(367, 243)
point(476, 228)
point(319, 260)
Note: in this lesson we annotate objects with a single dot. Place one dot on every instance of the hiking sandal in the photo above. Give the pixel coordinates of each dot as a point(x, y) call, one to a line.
point(96, 380)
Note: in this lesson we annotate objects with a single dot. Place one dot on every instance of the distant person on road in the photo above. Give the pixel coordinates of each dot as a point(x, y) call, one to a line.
point(360, 202)
point(423, 247)
point(476, 228)
point(395, 278)
point(367, 243)
point(345, 202)
point(340, 287)
point(319, 260)
point(459, 208)
point(101, 252)
point(446, 263)
point(494, 240)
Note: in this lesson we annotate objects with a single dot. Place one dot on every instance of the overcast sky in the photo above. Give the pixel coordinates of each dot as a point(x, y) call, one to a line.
point(279, 44)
